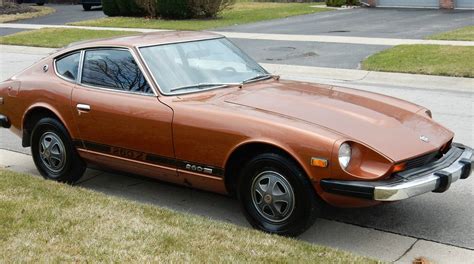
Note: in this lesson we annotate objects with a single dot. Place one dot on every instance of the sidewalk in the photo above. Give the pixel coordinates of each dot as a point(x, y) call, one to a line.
point(10, 53)
point(360, 240)
point(281, 37)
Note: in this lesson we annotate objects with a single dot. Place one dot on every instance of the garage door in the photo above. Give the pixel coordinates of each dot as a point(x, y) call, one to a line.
point(410, 3)
point(465, 4)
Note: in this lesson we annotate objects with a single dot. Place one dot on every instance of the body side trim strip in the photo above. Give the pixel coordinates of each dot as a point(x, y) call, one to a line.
point(148, 158)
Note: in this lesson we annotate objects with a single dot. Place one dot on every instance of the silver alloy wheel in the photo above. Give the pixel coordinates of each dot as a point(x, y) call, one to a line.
point(52, 152)
point(273, 196)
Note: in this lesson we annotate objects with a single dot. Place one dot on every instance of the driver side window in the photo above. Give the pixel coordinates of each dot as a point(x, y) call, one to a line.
point(113, 69)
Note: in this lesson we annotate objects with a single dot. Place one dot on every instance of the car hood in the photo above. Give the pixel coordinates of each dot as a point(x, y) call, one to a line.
point(388, 125)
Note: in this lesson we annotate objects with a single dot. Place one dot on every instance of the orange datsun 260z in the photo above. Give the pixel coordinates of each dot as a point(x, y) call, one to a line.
point(191, 108)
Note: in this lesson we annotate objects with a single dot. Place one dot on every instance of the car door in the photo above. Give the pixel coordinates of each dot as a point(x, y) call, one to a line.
point(121, 122)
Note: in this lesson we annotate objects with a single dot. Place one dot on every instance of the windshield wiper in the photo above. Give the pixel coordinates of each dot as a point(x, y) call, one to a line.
point(203, 85)
point(258, 78)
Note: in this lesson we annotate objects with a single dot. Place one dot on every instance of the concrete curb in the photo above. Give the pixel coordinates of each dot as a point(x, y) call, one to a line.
point(278, 37)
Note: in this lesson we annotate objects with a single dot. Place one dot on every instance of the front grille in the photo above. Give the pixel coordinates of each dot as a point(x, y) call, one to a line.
point(422, 160)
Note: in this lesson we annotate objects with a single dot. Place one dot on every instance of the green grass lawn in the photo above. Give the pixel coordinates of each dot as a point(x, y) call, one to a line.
point(241, 13)
point(45, 221)
point(465, 33)
point(424, 59)
point(57, 37)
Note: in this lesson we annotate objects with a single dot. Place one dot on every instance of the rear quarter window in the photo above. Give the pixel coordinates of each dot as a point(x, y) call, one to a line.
point(68, 66)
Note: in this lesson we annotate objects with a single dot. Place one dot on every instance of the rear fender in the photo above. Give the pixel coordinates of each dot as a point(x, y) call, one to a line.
point(35, 107)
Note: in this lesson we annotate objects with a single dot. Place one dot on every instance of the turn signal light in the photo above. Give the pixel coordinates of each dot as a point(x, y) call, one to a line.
point(399, 167)
point(319, 162)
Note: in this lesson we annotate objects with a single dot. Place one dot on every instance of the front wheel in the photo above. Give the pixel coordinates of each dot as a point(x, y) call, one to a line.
point(53, 152)
point(87, 7)
point(276, 195)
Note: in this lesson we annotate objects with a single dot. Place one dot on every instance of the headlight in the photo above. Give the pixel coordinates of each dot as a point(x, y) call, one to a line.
point(344, 155)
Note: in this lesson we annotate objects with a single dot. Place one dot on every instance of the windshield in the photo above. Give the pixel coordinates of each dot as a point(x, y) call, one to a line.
point(206, 64)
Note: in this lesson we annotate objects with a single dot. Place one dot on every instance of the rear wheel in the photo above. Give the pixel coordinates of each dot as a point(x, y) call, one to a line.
point(87, 7)
point(53, 152)
point(276, 195)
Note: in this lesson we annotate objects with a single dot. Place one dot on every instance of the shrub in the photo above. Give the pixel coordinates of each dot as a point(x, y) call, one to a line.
point(208, 8)
point(174, 9)
point(178, 9)
point(123, 8)
point(339, 3)
point(110, 8)
point(149, 6)
point(289, 1)
point(129, 8)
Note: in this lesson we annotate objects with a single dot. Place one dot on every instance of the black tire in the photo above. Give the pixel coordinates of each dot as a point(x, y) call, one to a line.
point(289, 177)
point(40, 3)
point(87, 7)
point(71, 169)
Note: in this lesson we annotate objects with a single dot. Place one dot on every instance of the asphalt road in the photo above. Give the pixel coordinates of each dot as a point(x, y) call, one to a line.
point(366, 22)
point(361, 22)
point(332, 55)
point(65, 14)
point(445, 218)
point(8, 31)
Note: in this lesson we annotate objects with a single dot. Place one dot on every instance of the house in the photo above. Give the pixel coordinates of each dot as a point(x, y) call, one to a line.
point(446, 4)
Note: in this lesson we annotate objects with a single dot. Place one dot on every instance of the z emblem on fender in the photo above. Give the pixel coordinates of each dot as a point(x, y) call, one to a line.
point(424, 139)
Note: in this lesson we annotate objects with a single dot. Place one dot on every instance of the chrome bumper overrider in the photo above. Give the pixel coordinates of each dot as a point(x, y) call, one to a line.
point(434, 177)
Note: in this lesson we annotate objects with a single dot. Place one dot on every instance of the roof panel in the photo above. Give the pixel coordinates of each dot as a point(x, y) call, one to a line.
point(146, 39)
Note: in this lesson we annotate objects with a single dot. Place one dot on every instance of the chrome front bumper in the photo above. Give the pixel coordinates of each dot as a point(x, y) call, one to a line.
point(434, 177)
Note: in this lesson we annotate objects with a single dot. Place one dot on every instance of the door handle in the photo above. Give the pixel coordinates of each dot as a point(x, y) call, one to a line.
point(83, 107)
